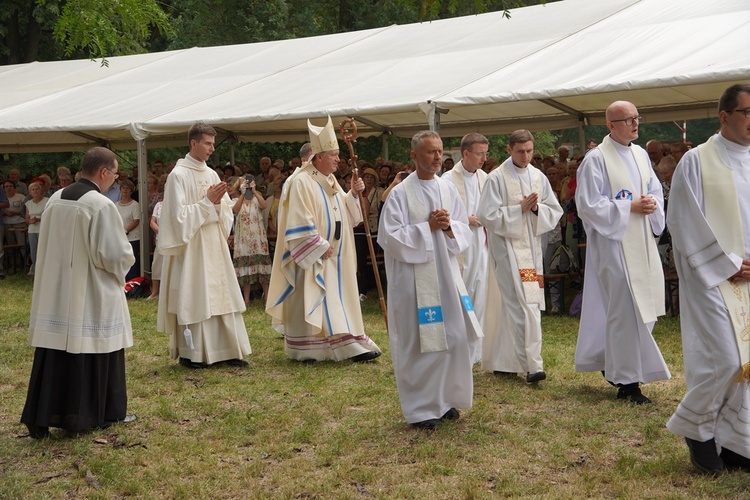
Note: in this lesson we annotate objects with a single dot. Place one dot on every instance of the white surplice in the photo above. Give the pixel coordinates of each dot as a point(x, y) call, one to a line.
point(430, 383)
point(513, 327)
point(717, 404)
point(612, 336)
point(198, 284)
point(474, 260)
point(79, 303)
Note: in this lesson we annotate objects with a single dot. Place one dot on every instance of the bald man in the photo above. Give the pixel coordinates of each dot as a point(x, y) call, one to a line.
point(654, 150)
point(620, 202)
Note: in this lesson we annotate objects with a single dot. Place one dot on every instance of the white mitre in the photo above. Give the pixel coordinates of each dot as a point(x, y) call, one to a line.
point(322, 138)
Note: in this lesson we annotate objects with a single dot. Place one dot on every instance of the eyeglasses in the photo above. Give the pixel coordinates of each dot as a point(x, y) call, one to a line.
point(745, 110)
point(116, 175)
point(629, 121)
point(481, 154)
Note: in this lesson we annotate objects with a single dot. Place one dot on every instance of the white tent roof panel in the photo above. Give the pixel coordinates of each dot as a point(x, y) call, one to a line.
point(539, 70)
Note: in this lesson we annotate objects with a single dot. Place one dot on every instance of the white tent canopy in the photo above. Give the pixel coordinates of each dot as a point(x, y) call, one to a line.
point(547, 67)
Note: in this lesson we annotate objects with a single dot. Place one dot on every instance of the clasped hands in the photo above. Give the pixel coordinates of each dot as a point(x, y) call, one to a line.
point(439, 219)
point(530, 202)
point(474, 221)
point(743, 274)
point(645, 205)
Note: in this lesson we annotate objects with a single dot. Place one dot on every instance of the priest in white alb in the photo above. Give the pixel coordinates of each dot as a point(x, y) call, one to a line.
point(79, 320)
point(619, 199)
point(517, 207)
point(431, 322)
point(200, 302)
point(469, 178)
point(709, 219)
point(313, 298)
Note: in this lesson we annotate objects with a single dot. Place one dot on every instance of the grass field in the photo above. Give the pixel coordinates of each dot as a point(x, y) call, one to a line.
point(281, 429)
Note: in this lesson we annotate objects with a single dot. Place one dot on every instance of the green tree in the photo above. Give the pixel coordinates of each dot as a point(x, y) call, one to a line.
point(32, 30)
point(103, 28)
point(429, 10)
point(26, 32)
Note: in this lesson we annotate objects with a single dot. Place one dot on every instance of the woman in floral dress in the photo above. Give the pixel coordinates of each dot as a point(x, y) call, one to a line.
point(252, 262)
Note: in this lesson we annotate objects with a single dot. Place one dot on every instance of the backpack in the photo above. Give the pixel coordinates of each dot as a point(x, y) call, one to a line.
point(137, 287)
point(563, 261)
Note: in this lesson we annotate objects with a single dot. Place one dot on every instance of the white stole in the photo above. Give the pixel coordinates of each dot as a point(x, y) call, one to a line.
point(523, 247)
point(458, 181)
point(638, 246)
point(432, 336)
point(723, 216)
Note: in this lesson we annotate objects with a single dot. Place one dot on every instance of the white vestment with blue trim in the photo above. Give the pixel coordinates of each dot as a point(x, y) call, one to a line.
point(314, 302)
point(429, 383)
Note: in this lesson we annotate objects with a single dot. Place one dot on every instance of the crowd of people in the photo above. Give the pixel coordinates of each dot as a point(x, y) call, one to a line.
point(466, 245)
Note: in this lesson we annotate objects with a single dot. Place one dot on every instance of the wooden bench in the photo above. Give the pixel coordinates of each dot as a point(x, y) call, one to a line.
point(560, 278)
point(672, 292)
point(13, 254)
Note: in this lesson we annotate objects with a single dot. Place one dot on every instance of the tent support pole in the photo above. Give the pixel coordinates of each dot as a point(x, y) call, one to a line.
point(145, 226)
point(433, 115)
point(384, 147)
point(581, 135)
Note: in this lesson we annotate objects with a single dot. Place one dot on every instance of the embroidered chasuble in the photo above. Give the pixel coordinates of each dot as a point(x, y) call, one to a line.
point(314, 302)
point(639, 245)
point(723, 215)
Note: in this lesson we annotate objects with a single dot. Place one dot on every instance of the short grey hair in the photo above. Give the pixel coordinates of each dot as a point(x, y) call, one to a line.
point(305, 150)
point(419, 136)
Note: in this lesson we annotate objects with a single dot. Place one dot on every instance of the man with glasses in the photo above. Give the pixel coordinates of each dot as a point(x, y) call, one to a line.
point(517, 206)
point(80, 324)
point(114, 193)
point(619, 199)
point(469, 178)
point(709, 220)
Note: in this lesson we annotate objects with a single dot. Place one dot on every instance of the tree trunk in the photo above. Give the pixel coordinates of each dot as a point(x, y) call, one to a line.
point(33, 36)
point(14, 38)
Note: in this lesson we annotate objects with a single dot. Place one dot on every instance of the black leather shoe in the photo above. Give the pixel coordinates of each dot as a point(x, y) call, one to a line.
point(533, 378)
point(192, 364)
point(240, 363)
point(632, 392)
point(37, 432)
point(365, 356)
point(128, 419)
point(428, 425)
point(734, 460)
point(452, 414)
point(703, 456)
